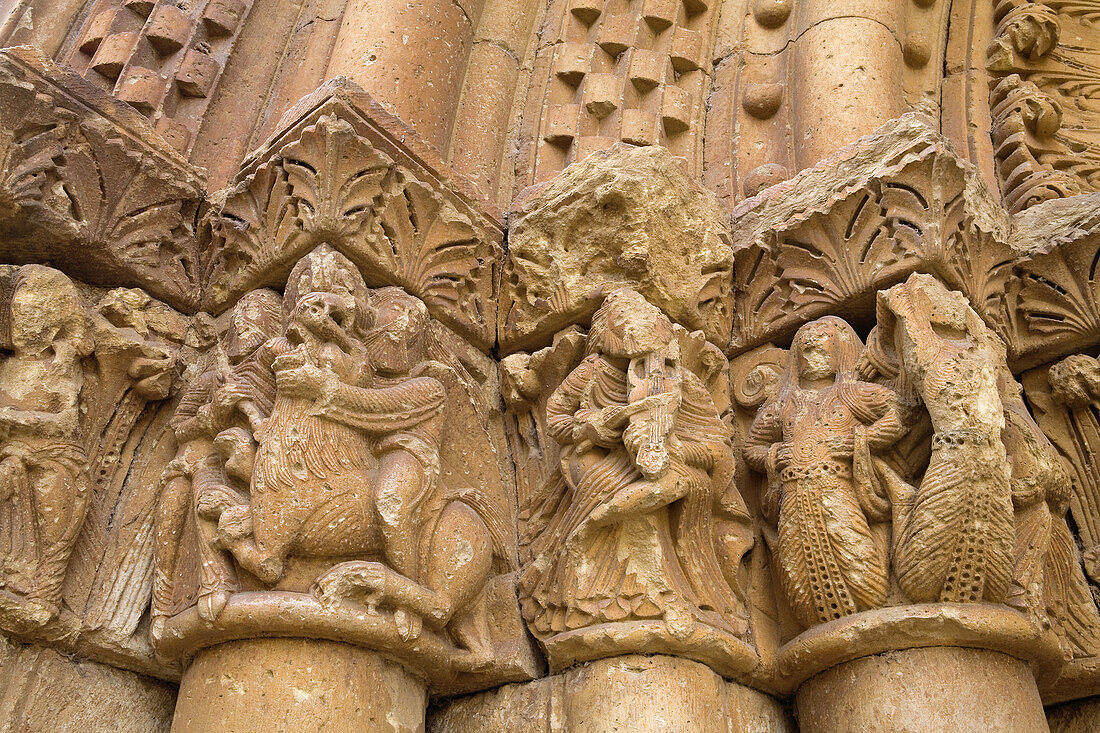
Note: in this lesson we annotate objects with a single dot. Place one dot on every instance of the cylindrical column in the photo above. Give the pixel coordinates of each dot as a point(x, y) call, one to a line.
point(410, 55)
point(297, 685)
point(644, 694)
point(931, 689)
point(846, 83)
point(641, 694)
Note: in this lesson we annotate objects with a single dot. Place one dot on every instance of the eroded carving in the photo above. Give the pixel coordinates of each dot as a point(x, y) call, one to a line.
point(817, 440)
point(956, 543)
point(332, 448)
point(59, 444)
point(624, 217)
point(97, 191)
point(640, 535)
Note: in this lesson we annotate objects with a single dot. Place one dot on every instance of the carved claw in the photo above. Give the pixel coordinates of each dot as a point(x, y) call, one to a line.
point(214, 501)
point(409, 624)
point(1091, 556)
point(350, 579)
point(38, 613)
point(157, 627)
point(210, 605)
point(234, 525)
point(679, 620)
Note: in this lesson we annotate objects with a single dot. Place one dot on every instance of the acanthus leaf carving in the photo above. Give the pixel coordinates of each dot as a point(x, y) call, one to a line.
point(81, 185)
point(339, 178)
point(918, 207)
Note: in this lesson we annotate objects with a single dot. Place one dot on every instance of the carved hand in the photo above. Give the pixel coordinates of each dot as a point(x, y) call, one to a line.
point(306, 382)
point(783, 456)
point(592, 427)
point(228, 396)
point(153, 375)
point(841, 446)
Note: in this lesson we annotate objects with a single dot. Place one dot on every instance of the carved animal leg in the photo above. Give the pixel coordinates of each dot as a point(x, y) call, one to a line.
point(235, 534)
point(401, 484)
point(11, 471)
point(216, 573)
point(60, 503)
point(172, 507)
point(212, 495)
point(459, 559)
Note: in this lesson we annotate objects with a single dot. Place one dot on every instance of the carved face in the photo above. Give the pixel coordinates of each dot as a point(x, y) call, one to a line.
point(395, 342)
point(325, 316)
point(254, 322)
point(818, 348)
point(628, 326)
point(45, 309)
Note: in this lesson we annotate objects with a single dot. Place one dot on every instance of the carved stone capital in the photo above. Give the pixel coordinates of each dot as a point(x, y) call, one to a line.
point(632, 529)
point(338, 475)
point(909, 497)
point(341, 170)
point(83, 377)
point(85, 183)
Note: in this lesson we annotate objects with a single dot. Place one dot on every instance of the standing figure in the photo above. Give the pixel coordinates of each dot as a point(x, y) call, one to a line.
point(214, 423)
point(958, 541)
point(815, 440)
point(44, 483)
point(642, 449)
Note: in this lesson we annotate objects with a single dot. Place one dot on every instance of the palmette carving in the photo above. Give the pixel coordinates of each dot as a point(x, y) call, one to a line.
point(96, 192)
point(907, 203)
point(341, 176)
point(631, 549)
point(828, 491)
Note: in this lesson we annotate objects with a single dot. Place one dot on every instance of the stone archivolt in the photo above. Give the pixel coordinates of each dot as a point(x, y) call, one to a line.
point(851, 422)
point(1042, 59)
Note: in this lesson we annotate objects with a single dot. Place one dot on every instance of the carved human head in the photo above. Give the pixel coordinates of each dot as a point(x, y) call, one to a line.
point(326, 296)
point(1075, 381)
point(398, 341)
point(824, 348)
point(46, 311)
point(255, 319)
point(628, 326)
